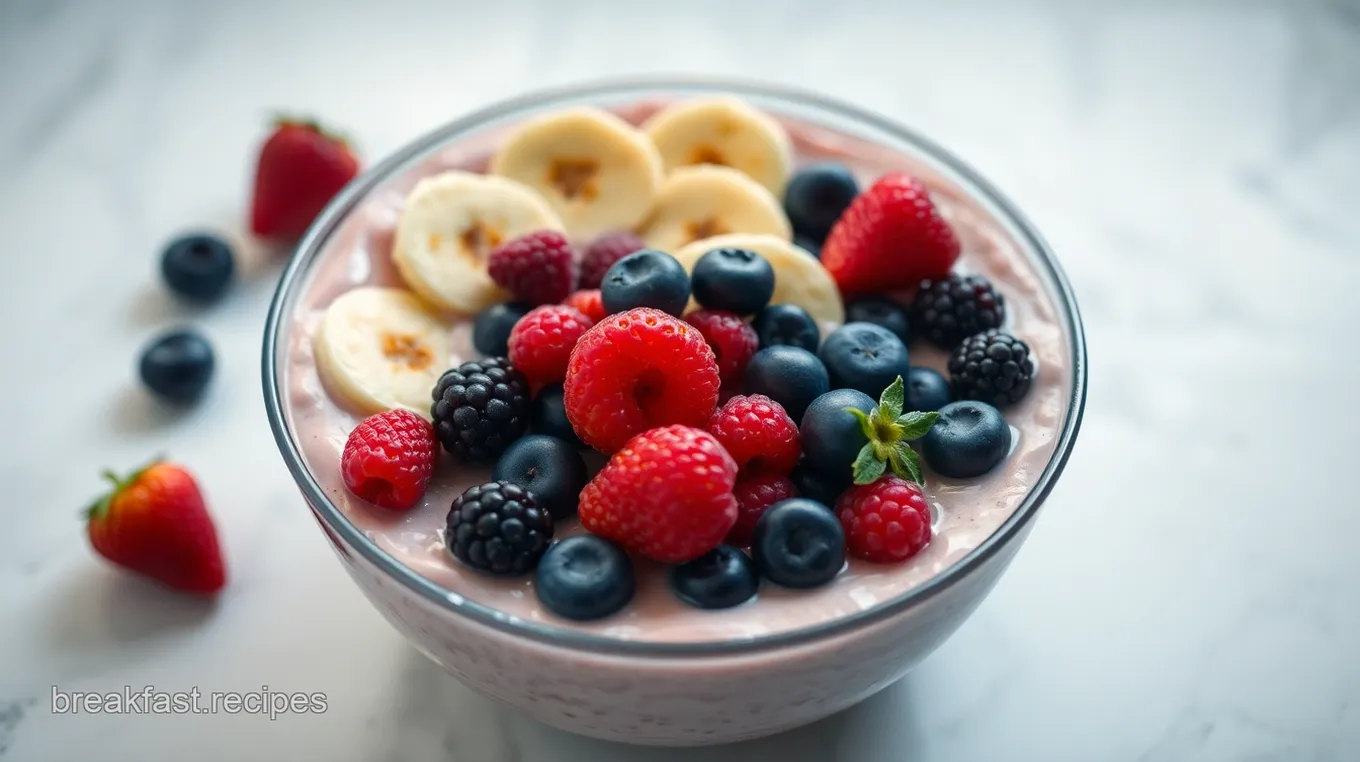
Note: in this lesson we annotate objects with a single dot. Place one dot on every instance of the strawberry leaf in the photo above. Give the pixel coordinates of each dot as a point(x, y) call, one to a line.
point(906, 463)
point(917, 424)
point(865, 425)
point(867, 466)
point(891, 401)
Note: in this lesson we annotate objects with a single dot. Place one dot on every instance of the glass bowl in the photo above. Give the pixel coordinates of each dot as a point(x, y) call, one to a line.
point(673, 693)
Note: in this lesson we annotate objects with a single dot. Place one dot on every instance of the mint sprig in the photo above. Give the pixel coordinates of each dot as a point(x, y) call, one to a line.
point(889, 430)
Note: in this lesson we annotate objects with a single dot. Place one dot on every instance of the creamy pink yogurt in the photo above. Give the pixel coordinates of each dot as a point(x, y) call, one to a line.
point(965, 512)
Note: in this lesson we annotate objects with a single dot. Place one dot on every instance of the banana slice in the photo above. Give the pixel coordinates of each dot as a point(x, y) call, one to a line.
point(726, 131)
point(798, 277)
point(450, 223)
point(707, 200)
point(381, 348)
point(597, 171)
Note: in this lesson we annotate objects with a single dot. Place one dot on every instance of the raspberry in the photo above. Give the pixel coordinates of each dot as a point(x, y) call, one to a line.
point(948, 310)
point(603, 252)
point(991, 367)
point(388, 459)
point(754, 494)
point(479, 408)
point(885, 521)
point(666, 495)
point(537, 268)
point(732, 340)
point(541, 342)
point(758, 434)
point(589, 303)
point(638, 370)
point(499, 528)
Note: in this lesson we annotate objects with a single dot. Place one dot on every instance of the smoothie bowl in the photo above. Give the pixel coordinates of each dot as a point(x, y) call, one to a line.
point(651, 516)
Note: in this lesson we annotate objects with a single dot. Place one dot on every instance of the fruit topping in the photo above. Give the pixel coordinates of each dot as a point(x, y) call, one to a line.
point(541, 342)
point(584, 577)
point(807, 244)
point(816, 196)
point(177, 366)
point(863, 356)
point(832, 437)
point(719, 579)
point(498, 528)
point(798, 278)
point(198, 267)
point(758, 434)
point(791, 376)
point(635, 371)
point(756, 493)
point(969, 439)
point(491, 329)
point(735, 280)
point(993, 367)
point(550, 416)
point(300, 168)
point(948, 310)
point(726, 131)
point(891, 237)
point(732, 340)
point(536, 268)
point(885, 521)
point(798, 543)
point(647, 278)
point(816, 485)
point(666, 495)
point(550, 468)
point(787, 325)
point(927, 390)
point(880, 312)
point(479, 408)
point(701, 202)
point(589, 302)
point(389, 458)
point(603, 252)
point(889, 430)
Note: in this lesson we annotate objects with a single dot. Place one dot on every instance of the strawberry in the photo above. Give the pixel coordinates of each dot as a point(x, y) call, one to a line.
point(300, 169)
point(891, 237)
point(155, 523)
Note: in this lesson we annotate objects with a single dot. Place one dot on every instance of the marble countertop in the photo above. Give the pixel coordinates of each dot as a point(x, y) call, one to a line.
point(1191, 590)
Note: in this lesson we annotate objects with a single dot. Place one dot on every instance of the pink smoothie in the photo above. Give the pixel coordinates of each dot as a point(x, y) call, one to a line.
point(965, 512)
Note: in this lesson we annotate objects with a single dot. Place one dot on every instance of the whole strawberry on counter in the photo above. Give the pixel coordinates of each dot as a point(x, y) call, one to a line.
point(155, 523)
point(301, 167)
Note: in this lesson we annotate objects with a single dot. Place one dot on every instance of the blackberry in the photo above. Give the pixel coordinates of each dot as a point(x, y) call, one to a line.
point(948, 310)
point(499, 528)
point(479, 408)
point(992, 367)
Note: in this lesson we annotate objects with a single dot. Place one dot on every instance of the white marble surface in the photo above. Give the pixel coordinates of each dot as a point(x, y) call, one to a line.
point(1191, 592)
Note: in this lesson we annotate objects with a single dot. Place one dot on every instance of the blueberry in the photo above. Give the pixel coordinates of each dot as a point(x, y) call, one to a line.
point(864, 356)
point(550, 416)
point(926, 390)
point(198, 267)
point(880, 312)
point(968, 439)
point(808, 245)
point(832, 437)
point(178, 365)
point(824, 488)
point(787, 325)
point(736, 280)
point(584, 577)
point(798, 543)
point(550, 469)
point(791, 376)
point(719, 579)
point(647, 278)
point(491, 329)
point(817, 195)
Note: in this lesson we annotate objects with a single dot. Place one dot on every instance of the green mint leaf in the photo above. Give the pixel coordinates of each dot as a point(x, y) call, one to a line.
point(893, 398)
point(867, 466)
point(907, 464)
point(916, 424)
point(865, 425)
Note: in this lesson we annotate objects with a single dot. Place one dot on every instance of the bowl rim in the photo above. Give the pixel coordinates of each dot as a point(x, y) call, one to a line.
point(348, 199)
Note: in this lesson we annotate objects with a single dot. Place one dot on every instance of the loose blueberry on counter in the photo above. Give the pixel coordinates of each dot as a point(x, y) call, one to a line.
point(864, 356)
point(178, 365)
point(880, 312)
point(926, 390)
point(791, 376)
point(824, 488)
point(967, 440)
point(798, 543)
point(551, 469)
point(719, 579)
point(808, 245)
point(647, 278)
point(491, 329)
point(198, 267)
point(817, 195)
point(787, 325)
point(735, 280)
point(584, 577)
point(832, 438)
point(499, 528)
point(550, 416)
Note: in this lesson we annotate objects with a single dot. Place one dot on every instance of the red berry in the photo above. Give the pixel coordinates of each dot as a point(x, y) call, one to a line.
point(589, 303)
point(666, 495)
point(885, 521)
point(891, 237)
point(638, 370)
point(389, 458)
point(299, 170)
point(758, 433)
point(541, 342)
point(537, 268)
point(732, 339)
point(754, 494)
point(603, 252)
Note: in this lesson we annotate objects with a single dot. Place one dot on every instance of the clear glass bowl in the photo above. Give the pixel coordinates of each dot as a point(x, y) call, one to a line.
point(673, 693)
